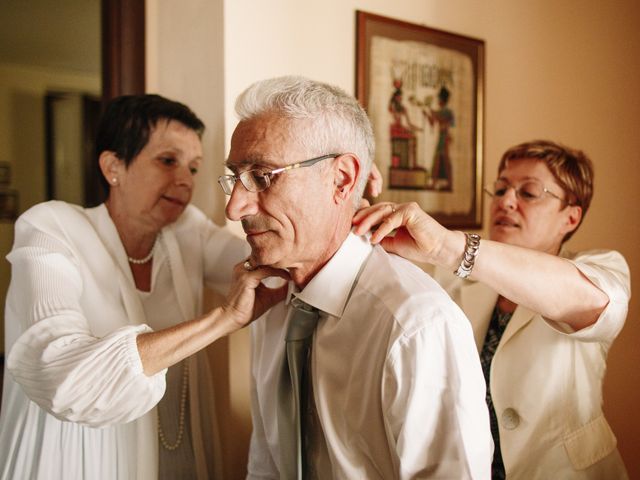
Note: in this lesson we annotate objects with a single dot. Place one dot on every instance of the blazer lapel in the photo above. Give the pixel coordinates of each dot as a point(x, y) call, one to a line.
point(520, 318)
point(477, 301)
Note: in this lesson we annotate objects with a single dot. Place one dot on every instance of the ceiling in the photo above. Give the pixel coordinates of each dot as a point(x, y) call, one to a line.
point(60, 34)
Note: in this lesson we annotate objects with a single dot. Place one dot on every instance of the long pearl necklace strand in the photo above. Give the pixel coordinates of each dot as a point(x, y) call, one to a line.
point(183, 404)
point(142, 261)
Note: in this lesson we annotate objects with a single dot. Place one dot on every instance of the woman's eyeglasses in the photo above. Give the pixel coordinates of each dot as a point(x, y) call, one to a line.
point(529, 191)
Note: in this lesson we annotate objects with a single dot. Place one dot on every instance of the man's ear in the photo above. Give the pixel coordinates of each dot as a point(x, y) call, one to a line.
point(347, 172)
point(111, 167)
point(572, 219)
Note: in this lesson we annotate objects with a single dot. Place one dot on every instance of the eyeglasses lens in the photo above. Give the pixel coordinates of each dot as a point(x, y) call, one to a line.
point(527, 191)
point(227, 182)
point(254, 180)
point(531, 191)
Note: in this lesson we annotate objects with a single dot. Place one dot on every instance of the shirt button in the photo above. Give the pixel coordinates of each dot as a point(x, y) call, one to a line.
point(510, 419)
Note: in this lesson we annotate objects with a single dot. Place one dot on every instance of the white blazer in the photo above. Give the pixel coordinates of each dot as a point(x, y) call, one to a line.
point(546, 380)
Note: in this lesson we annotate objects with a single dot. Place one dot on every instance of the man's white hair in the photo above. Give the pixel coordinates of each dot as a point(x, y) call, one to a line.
point(337, 122)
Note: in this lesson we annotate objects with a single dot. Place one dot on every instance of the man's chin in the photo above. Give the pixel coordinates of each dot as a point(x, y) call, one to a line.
point(265, 251)
point(260, 258)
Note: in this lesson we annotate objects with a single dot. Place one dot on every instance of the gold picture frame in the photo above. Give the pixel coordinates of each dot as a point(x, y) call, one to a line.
point(423, 90)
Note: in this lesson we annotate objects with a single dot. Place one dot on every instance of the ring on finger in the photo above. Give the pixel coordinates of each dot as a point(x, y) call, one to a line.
point(393, 208)
point(247, 265)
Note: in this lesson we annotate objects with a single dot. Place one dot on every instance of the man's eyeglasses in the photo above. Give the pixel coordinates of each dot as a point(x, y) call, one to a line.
point(530, 191)
point(258, 180)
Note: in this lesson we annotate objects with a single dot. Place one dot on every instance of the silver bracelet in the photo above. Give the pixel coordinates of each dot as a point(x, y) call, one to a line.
point(469, 255)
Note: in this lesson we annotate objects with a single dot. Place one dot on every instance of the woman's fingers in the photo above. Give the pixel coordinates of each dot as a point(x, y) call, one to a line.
point(253, 275)
point(368, 217)
point(248, 296)
point(365, 212)
point(267, 297)
point(404, 229)
point(381, 219)
point(374, 182)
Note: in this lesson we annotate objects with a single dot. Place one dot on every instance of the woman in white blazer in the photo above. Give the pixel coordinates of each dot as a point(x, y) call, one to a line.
point(104, 321)
point(543, 318)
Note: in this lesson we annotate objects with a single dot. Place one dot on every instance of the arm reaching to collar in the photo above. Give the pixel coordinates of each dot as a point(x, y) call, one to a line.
point(544, 283)
point(248, 299)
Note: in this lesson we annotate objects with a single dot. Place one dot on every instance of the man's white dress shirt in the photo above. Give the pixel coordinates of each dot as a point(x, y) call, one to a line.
point(397, 383)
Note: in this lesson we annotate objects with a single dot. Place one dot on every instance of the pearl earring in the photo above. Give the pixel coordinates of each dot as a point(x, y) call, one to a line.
point(114, 180)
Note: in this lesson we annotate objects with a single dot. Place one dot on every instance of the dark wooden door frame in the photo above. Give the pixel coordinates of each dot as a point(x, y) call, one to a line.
point(123, 48)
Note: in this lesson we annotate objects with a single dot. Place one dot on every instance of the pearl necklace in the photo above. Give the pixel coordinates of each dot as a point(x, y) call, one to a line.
point(142, 261)
point(183, 404)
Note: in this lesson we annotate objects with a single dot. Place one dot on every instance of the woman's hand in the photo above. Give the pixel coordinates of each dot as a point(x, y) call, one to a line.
point(374, 182)
point(248, 297)
point(541, 282)
point(418, 237)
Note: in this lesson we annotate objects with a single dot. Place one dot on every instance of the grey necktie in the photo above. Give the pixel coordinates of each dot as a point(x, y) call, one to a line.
point(302, 322)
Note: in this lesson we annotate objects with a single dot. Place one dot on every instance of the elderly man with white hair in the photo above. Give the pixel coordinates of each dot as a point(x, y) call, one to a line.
point(368, 369)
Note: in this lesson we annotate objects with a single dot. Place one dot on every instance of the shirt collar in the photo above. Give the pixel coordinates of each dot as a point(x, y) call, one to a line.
point(329, 289)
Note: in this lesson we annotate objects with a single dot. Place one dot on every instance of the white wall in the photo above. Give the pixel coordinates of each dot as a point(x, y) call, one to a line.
point(567, 70)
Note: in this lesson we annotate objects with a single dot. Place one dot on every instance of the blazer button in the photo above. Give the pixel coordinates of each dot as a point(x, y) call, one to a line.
point(510, 419)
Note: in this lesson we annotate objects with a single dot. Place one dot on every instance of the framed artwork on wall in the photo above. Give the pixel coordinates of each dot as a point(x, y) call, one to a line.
point(424, 91)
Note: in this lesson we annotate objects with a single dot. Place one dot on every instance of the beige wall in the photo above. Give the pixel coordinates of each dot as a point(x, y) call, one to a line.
point(22, 138)
point(567, 70)
point(185, 63)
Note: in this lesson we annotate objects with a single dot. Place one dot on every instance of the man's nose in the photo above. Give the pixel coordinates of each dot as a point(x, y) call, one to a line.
point(242, 203)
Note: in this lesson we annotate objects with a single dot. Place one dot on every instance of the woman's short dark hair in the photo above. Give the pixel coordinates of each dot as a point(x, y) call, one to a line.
point(127, 122)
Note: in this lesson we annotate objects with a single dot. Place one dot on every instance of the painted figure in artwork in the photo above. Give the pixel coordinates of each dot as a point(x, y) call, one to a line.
point(398, 110)
point(402, 130)
point(404, 172)
point(441, 175)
